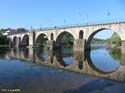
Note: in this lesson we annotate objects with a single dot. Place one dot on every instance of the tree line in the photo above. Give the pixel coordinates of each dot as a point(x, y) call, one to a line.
point(18, 30)
point(113, 40)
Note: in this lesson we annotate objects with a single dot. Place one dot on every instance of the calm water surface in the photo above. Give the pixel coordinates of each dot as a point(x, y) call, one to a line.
point(62, 71)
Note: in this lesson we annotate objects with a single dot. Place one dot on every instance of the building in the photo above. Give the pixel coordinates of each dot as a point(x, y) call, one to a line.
point(10, 32)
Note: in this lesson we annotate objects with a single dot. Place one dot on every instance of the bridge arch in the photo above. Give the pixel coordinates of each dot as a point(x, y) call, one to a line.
point(41, 40)
point(61, 35)
point(91, 36)
point(25, 40)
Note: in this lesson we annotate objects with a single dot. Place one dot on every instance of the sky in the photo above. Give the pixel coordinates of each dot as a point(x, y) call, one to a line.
point(50, 13)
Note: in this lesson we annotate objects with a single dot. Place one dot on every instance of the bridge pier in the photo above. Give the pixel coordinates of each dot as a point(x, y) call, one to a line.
point(32, 39)
point(123, 47)
point(79, 48)
point(51, 44)
point(17, 44)
point(78, 45)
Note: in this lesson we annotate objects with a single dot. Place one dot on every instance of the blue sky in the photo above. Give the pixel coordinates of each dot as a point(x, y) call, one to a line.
point(49, 13)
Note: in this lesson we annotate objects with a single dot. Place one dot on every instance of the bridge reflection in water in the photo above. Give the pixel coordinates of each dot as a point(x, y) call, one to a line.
point(66, 59)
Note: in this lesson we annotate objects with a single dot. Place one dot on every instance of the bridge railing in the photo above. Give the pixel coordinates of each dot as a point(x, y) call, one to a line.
point(79, 25)
point(18, 33)
point(74, 25)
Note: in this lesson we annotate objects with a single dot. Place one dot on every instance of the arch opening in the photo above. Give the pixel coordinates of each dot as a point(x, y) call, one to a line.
point(104, 36)
point(65, 39)
point(64, 44)
point(25, 40)
point(41, 41)
point(80, 34)
point(102, 43)
point(51, 36)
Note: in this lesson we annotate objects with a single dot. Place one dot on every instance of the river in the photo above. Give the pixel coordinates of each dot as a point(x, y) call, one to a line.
point(62, 71)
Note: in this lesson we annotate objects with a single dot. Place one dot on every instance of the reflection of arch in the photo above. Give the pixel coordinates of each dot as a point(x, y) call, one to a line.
point(25, 40)
point(42, 54)
point(25, 52)
point(41, 40)
point(61, 35)
point(94, 67)
point(80, 34)
point(93, 34)
point(59, 56)
point(51, 36)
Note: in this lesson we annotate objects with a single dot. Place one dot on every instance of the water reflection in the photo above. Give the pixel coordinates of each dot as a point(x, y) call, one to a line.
point(3, 53)
point(101, 59)
point(64, 56)
point(98, 62)
point(42, 54)
point(115, 53)
point(25, 52)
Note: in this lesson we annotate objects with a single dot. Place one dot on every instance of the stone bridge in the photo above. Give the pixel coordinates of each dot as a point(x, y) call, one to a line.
point(82, 35)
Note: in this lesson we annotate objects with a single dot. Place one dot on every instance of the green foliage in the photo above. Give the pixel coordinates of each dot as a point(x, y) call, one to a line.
point(3, 30)
point(108, 41)
point(67, 39)
point(3, 40)
point(115, 39)
point(20, 30)
point(115, 53)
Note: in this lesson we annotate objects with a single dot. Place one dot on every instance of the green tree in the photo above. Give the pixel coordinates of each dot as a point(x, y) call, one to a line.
point(20, 30)
point(115, 53)
point(115, 39)
point(3, 40)
point(3, 30)
point(67, 39)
